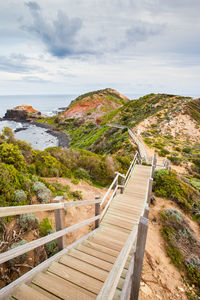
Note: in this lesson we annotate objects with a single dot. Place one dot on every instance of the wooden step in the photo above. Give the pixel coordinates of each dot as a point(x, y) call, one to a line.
point(106, 242)
point(117, 215)
point(89, 259)
point(80, 279)
point(84, 275)
point(43, 292)
point(101, 248)
point(61, 288)
point(25, 292)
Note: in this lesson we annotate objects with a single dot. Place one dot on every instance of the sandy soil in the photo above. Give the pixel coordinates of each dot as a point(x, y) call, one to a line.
point(75, 215)
point(160, 279)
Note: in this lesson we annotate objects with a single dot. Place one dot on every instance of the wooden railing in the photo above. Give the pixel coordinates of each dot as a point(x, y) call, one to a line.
point(58, 207)
point(131, 285)
point(61, 231)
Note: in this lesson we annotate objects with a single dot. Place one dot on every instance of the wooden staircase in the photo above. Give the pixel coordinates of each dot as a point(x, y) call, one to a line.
point(80, 274)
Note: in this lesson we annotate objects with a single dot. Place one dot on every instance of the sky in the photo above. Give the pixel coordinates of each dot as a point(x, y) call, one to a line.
point(75, 46)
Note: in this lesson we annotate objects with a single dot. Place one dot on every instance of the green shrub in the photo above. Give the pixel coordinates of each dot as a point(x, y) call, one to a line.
point(11, 155)
point(12, 180)
point(20, 196)
point(47, 165)
point(51, 248)
point(77, 195)
point(28, 222)
point(20, 259)
point(167, 184)
point(81, 174)
point(175, 160)
point(45, 226)
point(42, 192)
point(176, 256)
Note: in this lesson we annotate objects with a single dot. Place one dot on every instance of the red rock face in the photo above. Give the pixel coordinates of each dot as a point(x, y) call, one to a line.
point(22, 112)
point(26, 107)
point(94, 105)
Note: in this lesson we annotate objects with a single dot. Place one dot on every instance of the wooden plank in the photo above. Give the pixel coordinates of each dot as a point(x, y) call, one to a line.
point(24, 292)
point(7, 291)
point(115, 240)
point(61, 288)
point(43, 292)
point(10, 254)
point(128, 221)
point(101, 248)
point(107, 243)
point(82, 267)
point(124, 212)
point(101, 255)
point(123, 229)
point(108, 290)
point(80, 279)
point(115, 233)
point(118, 213)
point(25, 209)
point(99, 263)
point(125, 209)
point(119, 223)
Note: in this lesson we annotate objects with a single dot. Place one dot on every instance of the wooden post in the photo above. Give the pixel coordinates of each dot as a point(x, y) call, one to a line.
point(149, 190)
point(122, 188)
point(97, 211)
point(139, 256)
point(60, 223)
point(116, 184)
point(146, 212)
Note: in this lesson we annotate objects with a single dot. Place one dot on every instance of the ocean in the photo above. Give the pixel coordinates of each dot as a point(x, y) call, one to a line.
point(38, 137)
point(44, 103)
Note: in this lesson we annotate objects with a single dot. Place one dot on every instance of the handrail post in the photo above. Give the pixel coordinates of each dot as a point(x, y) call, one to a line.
point(149, 190)
point(116, 184)
point(60, 223)
point(122, 187)
point(139, 256)
point(97, 211)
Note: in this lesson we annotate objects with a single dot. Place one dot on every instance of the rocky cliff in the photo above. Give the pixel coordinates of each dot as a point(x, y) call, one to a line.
point(22, 113)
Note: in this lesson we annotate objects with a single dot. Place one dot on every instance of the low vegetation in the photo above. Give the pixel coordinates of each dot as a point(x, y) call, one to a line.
point(169, 185)
point(182, 246)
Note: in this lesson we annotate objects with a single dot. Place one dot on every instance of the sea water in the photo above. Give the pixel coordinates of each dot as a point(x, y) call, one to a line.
point(38, 137)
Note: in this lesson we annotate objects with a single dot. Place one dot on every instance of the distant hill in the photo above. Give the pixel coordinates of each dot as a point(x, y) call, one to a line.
point(95, 104)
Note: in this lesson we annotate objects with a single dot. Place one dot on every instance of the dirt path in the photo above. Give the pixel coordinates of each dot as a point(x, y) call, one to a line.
point(160, 279)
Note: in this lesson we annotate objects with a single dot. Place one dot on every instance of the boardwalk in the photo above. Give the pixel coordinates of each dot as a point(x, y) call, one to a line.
point(82, 271)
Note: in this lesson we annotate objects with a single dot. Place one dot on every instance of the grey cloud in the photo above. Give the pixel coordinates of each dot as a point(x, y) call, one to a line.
point(32, 5)
point(14, 64)
point(59, 35)
point(141, 31)
point(17, 63)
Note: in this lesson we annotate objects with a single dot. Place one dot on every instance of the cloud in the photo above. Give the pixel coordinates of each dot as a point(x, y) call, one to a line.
point(32, 5)
point(141, 31)
point(59, 35)
point(14, 64)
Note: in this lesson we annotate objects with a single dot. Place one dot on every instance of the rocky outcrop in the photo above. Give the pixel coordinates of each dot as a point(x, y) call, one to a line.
point(22, 113)
point(94, 105)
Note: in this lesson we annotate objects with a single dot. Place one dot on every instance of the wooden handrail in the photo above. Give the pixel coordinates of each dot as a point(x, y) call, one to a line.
point(108, 290)
point(24, 209)
point(107, 205)
point(108, 191)
point(10, 254)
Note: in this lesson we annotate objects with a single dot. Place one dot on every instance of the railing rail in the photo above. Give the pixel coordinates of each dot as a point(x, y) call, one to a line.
point(108, 290)
point(24, 209)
